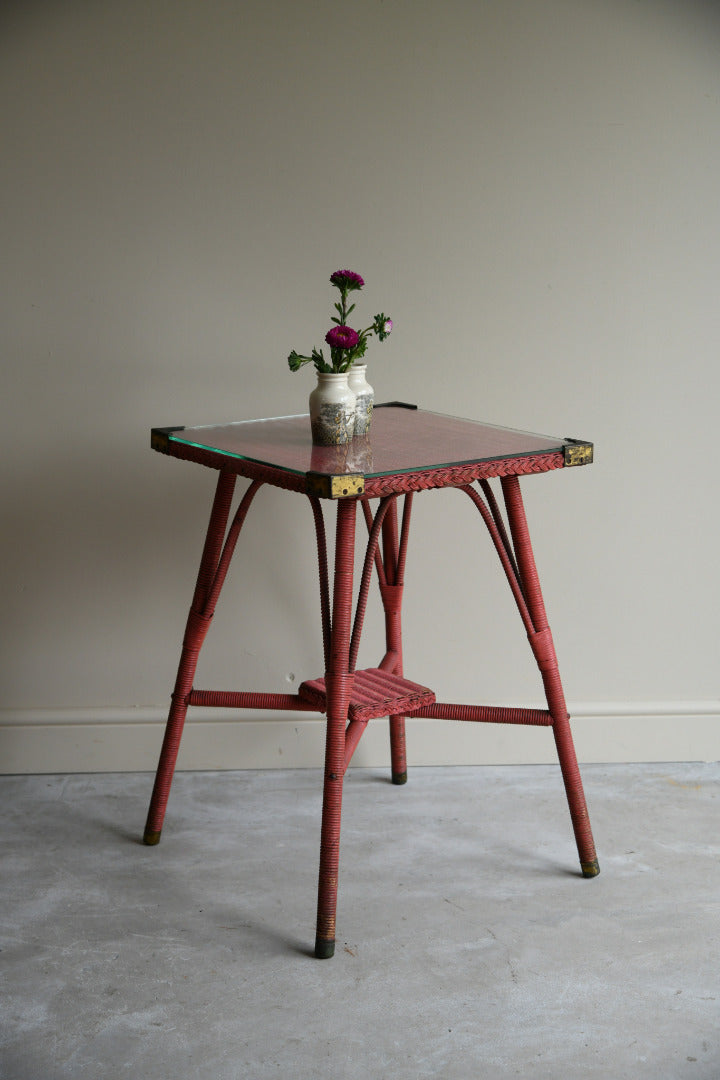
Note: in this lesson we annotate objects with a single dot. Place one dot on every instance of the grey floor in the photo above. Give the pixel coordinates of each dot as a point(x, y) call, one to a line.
point(468, 944)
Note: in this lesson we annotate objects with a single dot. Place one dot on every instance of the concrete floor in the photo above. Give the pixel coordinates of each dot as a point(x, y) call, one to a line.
point(468, 944)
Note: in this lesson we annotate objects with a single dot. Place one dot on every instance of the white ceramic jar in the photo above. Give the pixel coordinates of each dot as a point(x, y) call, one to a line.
point(332, 409)
point(364, 398)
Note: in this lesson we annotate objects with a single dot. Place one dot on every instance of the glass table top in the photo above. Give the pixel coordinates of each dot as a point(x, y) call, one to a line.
point(401, 439)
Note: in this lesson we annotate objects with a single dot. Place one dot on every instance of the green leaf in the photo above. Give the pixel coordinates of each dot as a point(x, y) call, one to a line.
point(319, 361)
point(296, 361)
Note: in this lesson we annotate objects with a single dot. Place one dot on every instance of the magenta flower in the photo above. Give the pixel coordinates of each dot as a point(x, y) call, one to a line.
point(347, 346)
point(342, 337)
point(346, 279)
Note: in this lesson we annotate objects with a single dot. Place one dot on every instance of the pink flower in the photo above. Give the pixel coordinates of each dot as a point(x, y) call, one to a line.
point(382, 326)
point(342, 337)
point(346, 279)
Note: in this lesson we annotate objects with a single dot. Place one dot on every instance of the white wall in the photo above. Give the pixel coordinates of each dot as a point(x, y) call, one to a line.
point(530, 189)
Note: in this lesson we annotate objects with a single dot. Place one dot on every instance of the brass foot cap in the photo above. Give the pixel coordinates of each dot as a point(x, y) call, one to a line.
point(324, 949)
point(590, 869)
point(151, 838)
point(399, 778)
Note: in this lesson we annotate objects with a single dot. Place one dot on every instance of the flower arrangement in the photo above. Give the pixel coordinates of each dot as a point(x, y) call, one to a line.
point(346, 345)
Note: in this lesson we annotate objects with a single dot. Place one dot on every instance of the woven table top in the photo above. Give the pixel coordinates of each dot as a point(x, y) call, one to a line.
point(403, 442)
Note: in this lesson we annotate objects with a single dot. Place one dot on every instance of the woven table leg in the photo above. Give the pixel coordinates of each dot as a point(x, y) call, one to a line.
point(338, 683)
point(197, 628)
point(195, 631)
point(390, 566)
point(395, 551)
point(544, 652)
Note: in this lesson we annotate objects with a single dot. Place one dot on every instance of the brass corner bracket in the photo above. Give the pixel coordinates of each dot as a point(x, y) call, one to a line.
point(160, 437)
point(577, 452)
point(325, 486)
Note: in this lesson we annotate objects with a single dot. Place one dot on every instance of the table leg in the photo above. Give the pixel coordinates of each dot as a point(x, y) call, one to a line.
point(544, 651)
point(391, 591)
point(195, 631)
point(338, 684)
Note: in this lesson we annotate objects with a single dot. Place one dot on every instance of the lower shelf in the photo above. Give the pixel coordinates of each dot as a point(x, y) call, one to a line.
point(375, 693)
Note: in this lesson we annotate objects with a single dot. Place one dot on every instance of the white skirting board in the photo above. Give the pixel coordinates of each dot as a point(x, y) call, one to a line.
point(128, 740)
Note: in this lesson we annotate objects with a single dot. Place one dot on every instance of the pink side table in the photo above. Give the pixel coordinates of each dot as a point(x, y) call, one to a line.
point(409, 450)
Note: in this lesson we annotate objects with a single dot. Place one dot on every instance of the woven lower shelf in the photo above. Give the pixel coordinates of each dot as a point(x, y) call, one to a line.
point(375, 693)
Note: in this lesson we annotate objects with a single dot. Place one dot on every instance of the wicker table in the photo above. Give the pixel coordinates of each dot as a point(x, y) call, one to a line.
point(409, 450)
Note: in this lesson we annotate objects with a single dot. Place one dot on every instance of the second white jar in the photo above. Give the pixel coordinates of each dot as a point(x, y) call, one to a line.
point(364, 398)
